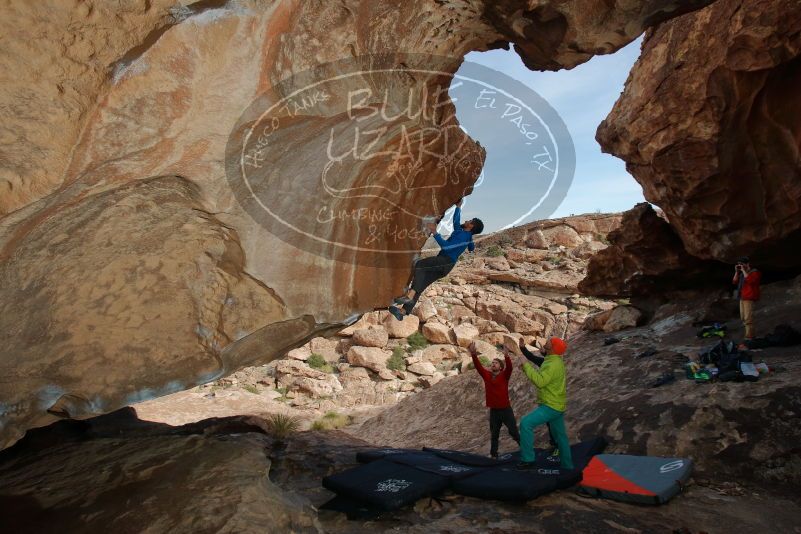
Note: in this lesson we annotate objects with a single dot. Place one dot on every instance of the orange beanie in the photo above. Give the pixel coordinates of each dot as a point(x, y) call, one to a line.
point(558, 346)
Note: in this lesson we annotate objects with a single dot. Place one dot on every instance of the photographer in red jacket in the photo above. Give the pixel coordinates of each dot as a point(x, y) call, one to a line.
point(747, 279)
point(496, 387)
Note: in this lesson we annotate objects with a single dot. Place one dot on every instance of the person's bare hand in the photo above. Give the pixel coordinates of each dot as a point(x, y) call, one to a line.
point(461, 202)
point(472, 349)
point(432, 227)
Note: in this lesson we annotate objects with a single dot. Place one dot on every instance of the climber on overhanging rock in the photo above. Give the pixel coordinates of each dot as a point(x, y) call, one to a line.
point(552, 397)
point(429, 270)
point(496, 390)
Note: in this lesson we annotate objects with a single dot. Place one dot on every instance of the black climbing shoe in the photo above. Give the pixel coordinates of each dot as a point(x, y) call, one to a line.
point(396, 313)
point(647, 353)
point(402, 300)
point(666, 378)
point(611, 341)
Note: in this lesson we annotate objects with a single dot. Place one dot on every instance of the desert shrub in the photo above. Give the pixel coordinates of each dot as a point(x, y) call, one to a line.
point(281, 425)
point(505, 241)
point(316, 361)
point(417, 341)
point(494, 251)
point(331, 421)
point(251, 388)
point(396, 361)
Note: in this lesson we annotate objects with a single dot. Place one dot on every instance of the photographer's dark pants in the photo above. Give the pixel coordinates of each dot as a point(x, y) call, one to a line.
point(498, 417)
point(426, 272)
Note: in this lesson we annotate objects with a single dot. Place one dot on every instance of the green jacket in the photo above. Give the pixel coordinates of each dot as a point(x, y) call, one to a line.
point(550, 381)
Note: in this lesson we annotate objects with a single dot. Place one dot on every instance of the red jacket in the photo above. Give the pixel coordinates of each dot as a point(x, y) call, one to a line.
point(750, 289)
point(496, 387)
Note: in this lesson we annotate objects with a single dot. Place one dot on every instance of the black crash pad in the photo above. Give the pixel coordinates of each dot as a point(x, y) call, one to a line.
point(432, 463)
point(385, 485)
point(371, 455)
point(508, 483)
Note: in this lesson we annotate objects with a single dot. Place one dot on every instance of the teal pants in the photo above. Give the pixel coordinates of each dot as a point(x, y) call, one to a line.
point(541, 416)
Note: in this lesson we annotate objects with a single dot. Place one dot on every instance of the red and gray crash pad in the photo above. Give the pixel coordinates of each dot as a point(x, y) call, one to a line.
point(640, 479)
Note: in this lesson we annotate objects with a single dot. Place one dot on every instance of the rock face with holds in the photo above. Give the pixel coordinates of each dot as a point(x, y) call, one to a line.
point(709, 124)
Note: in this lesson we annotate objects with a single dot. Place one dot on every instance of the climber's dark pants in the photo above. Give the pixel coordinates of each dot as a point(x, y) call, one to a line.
point(426, 272)
point(498, 417)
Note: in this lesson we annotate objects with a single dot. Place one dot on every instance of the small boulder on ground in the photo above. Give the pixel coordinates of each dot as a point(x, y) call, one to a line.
point(437, 333)
point(372, 336)
point(300, 353)
point(370, 357)
point(617, 318)
point(422, 368)
point(327, 348)
point(428, 381)
point(436, 353)
point(622, 317)
point(464, 334)
point(425, 310)
point(400, 329)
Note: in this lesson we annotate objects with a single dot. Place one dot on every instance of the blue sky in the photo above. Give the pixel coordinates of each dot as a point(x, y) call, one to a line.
point(582, 97)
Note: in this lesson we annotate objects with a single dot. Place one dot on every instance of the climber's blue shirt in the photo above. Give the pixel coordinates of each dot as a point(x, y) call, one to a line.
point(458, 241)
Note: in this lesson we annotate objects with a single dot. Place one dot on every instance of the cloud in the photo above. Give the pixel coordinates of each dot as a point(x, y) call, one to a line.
point(583, 97)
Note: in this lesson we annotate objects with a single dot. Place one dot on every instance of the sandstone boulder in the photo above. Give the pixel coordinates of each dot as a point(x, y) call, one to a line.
point(400, 329)
point(485, 349)
point(562, 236)
point(373, 336)
point(464, 334)
point(316, 388)
point(708, 125)
point(511, 342)
point(617, 318)
point(369, 357)
point(497, 264)
point(493, 338)
point(621, 318)
point(386, 374)
point(425, 310)
point(438, 333)
point(429, 381)
point(437, 353)
point(422, 368)
point(646, 257)
point(536, 240)
point(300, 353)
point(327, 348)
point(286, 371)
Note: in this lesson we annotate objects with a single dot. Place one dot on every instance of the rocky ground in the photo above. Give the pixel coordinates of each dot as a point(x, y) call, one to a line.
point(240, 469)
point(521, 281)
point(240, 474)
